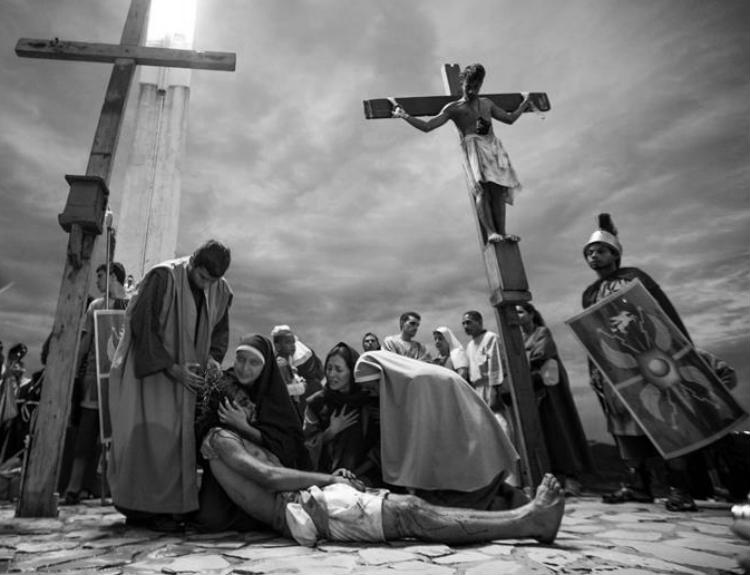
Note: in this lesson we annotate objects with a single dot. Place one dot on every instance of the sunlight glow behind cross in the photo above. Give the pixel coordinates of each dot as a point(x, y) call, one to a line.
point(172, 23)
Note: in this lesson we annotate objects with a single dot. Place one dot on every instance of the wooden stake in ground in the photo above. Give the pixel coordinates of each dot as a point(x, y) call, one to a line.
point(505, 274)
point(83, 218)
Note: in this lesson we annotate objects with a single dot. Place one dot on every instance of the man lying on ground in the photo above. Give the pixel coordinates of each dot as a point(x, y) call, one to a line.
point(309, 506)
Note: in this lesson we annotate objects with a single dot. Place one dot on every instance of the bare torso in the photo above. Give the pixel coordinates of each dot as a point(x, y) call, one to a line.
point(464, 114)
point(252, 497)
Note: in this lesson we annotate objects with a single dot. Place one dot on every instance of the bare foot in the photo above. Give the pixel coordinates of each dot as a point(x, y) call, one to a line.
point(548, 507)
point(496, 238)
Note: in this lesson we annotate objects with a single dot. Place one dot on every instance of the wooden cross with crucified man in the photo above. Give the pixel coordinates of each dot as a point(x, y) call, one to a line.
point(491, 176)
point(83, 219)
point(491, 181)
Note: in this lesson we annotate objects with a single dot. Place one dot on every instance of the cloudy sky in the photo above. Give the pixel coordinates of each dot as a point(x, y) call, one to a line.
point(338, 224)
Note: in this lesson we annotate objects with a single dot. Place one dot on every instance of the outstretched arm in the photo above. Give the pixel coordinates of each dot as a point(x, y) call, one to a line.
point(509, 117)
point(423, 125)
point(234, 455)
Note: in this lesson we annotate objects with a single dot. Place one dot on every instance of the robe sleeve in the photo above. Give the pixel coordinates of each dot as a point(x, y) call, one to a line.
point(388, 344)
point(542, 348)
point(589, 296)
point(495, 372)
point(220, 335)
point(150, 355)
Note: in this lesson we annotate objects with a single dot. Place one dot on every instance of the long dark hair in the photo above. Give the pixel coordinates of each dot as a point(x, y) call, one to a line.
point(335, 399)
point(535, 315)
point(350, 357)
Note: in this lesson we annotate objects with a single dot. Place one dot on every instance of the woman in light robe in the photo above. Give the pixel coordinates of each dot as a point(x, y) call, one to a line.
point(438, 439)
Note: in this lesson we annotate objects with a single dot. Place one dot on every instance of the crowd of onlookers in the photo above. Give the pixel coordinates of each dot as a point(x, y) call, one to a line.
point(19, 396)
point(340, 424)
point(312, 413)
point(304, 374)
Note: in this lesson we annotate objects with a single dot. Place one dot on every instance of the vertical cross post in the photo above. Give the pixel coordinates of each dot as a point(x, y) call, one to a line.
point(42, 464)
point(505, 274)
point(508, 287)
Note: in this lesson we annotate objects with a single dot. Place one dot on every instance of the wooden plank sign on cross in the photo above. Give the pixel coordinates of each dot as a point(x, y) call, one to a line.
point(43, 458)
point(505, 274)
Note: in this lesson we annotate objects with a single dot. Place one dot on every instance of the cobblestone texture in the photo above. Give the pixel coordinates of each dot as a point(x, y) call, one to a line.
point(630, 539)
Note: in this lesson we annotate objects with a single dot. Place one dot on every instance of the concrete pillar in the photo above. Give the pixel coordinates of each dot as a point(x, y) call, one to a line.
point(149, 213)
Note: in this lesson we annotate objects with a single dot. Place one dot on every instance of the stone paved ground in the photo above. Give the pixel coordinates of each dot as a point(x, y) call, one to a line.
point(630, 539)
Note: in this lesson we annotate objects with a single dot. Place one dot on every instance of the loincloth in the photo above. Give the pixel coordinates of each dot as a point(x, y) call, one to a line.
point(337, 512)
point(487, 161)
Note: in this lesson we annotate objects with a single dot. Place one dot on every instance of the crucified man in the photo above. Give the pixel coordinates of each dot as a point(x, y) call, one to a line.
point(493, 177)
point(308, 506)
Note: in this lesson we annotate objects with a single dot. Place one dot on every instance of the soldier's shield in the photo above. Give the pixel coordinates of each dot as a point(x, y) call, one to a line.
point(679, 402)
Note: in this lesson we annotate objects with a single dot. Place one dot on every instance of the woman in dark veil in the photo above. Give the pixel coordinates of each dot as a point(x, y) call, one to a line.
point(250, 403)
point(342, 427)
point(567, 447)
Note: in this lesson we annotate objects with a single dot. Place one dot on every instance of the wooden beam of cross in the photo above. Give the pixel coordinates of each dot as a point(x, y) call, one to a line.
point(42, 462)
point(431, 105)
point(505, 274)
point(143, 55)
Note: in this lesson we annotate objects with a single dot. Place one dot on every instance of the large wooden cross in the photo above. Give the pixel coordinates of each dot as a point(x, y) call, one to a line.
point(42, 462)
point(505, 274)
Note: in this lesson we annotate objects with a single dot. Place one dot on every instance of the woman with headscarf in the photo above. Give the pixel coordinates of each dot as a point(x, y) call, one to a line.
point(438, 438)
point(342, 428)
point(567, 447)
point(451, 354)
point(250, 403)
point(300, 366)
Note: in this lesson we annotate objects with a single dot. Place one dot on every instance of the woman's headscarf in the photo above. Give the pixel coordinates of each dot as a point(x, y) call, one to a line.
point(457, 353)
point(347, 352)
point(276, 418)
point(436, 432)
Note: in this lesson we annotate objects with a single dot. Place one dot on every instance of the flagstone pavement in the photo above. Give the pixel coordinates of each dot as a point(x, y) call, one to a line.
point(629, 539)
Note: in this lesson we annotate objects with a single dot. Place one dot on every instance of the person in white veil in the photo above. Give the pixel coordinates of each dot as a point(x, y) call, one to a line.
point(300, 366)
point(438, 439)
point(451, 354)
